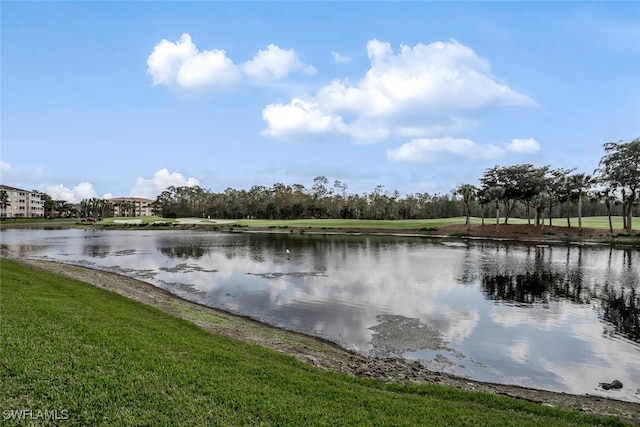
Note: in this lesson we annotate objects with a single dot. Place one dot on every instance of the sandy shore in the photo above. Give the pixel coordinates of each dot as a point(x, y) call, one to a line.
point(320, 353)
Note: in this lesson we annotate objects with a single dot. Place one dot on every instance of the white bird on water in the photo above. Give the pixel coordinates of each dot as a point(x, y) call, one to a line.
point(287, 251)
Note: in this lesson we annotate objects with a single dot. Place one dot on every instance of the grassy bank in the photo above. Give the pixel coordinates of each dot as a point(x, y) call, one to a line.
point(599, 222)
point(96, 358)
point(409, 224)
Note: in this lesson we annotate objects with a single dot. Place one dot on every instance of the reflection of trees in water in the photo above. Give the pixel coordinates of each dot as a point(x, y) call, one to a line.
point(183, 245)
point(540, 282)
point(96, 250)
point(543, 281)
point(528, 288)
point(183, 251)
point(466, 274)
point(620, 306)
point(621, 309)
point(572, 286)
point(318, 250)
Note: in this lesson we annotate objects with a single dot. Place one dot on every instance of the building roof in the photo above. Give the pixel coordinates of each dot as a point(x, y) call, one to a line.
point(130, 199)
point(8, 187)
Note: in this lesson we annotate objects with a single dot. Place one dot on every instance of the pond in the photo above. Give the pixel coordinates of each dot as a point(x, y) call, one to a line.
point(556, 317)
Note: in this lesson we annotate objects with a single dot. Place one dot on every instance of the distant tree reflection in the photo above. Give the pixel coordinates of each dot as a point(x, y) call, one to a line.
point(183, 251)
point(621, 309)
point(540, 279)
point(521, 288)
point(620, 306)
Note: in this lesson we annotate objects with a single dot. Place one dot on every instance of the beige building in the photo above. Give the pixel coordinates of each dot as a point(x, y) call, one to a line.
point(131, 206)
point(20, 203)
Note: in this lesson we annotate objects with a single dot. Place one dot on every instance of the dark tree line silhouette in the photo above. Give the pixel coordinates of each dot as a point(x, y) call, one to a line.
point(522, 190)
point(538, 194)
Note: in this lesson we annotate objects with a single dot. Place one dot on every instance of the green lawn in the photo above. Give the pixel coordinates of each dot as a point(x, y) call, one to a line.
point(417, 224)
point(410, 224)
point(100, 359)
point(600, 222)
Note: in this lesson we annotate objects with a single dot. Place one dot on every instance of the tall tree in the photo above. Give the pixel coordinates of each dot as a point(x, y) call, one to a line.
point(579, 183)
point(620, 169)
point(556, 189)
point(300, 198)
point(63, 208)
point(4, 202)
point(47, 204)
point(320, 191)
point(468, 193)
point(540, 202)
point(519, 182)
point(606, 196)
point(339, 198)
point(495, 194)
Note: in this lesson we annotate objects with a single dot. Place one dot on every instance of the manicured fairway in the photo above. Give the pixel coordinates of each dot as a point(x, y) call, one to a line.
point(600, 222)
point(411, 224)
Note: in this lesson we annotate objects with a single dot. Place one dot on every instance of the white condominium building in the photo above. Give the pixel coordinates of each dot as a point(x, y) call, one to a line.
point(20, 203)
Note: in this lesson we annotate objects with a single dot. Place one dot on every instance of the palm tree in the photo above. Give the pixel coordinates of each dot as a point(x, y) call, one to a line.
point(540, 202)
point(495, 194)
point(608, 197)
point(619, 169)
point(4, 202)
point(580, 182)
point(566, 195)
point(122, 206)
point(468, 193)
point(555, 189)
point(127, 208)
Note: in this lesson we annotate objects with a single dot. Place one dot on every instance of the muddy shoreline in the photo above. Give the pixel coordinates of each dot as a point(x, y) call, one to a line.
point(322, 353)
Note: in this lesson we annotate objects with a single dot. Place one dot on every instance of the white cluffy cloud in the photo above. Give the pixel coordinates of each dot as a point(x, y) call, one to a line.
point(339, 58)
point(429, 89)
point(523, 146)
point(162, 179)
point(425, 150)
point(84, 190)
point(275, 63)
point(182, 65)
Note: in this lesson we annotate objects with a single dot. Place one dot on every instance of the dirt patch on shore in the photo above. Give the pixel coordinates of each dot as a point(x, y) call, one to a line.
point(321, 353)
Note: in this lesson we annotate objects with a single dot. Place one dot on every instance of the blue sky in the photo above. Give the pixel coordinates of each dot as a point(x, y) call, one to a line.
point(109, 99)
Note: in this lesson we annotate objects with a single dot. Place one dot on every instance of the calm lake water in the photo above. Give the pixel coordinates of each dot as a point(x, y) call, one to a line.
point(562, 318)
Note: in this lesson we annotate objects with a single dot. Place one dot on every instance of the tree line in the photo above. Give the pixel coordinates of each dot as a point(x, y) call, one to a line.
point(522, 190)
